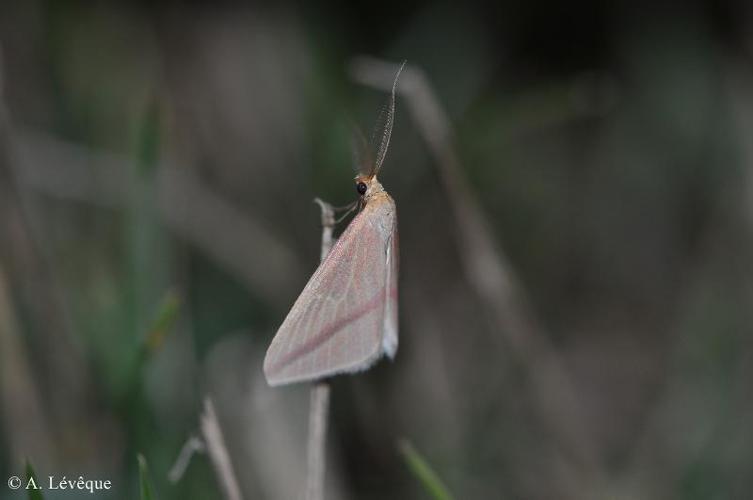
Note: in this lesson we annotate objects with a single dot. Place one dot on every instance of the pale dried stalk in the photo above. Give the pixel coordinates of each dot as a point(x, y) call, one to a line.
point(316, 452)
point(218, 454)
point(192, 445)
point(320, 393)
point(490, 273)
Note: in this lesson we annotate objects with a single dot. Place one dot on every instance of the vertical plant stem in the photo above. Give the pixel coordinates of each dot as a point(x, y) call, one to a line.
point(318, 412)
point(320, 392)
point(328, 226)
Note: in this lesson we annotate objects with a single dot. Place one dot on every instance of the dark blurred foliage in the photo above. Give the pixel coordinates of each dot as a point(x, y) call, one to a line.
point(158, 163)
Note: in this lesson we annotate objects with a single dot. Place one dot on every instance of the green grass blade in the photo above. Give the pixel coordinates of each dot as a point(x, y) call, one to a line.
point(33, 493)
point(145, 485)
point(167, 315)
point(423, 472)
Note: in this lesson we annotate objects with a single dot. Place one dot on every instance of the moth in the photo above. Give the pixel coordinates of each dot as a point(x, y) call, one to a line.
point(345, 319)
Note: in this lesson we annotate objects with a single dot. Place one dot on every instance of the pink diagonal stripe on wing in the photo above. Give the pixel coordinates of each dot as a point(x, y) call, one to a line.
point(318, 339)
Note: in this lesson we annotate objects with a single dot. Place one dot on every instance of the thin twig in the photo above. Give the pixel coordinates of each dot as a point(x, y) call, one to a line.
point(490, 273)
point(218, 454)
point(320, 392)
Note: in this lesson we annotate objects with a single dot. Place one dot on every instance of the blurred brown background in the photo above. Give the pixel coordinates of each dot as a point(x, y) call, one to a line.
point(574, 184)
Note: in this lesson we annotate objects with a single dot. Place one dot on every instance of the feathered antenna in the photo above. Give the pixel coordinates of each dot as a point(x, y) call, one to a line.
point(386, 128)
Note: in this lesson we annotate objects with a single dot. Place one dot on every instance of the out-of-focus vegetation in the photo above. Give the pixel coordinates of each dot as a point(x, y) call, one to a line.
point(145, 485)
point(31, 478)
point(423, 471)
point(157, 169)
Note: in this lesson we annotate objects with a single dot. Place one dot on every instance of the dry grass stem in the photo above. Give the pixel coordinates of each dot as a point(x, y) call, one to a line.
point(192, 445)
point(317, 440)
point(218, 454)
point(316, 453)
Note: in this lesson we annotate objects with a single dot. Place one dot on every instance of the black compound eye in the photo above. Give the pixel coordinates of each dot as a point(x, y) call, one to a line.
point(361, 188)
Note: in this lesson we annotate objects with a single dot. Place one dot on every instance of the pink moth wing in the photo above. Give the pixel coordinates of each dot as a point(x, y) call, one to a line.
point(346, 316)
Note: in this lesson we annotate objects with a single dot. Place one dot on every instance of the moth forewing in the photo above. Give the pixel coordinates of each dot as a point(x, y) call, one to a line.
point(338, 324)
point(389, 342)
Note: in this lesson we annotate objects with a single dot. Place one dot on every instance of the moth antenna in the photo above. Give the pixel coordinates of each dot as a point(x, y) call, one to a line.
point(387, 132)
point(348, 209)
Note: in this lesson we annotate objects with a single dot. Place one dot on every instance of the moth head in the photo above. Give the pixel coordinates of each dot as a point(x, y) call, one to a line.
point(367, 186)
